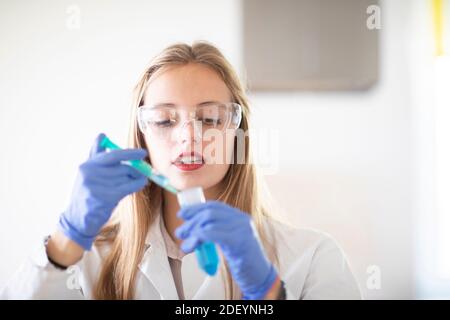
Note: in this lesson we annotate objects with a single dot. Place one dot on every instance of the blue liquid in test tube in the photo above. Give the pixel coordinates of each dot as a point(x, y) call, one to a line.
point(206, 253)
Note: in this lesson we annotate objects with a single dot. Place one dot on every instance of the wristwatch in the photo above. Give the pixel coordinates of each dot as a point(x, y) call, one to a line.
point(57, 265)
point(282, 291)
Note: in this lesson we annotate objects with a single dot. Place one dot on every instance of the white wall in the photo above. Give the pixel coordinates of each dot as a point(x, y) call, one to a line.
point(345, 158)
point(348, 164)
point(60, 87)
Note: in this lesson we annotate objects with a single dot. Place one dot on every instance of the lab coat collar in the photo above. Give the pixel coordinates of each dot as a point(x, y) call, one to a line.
point(155, 266)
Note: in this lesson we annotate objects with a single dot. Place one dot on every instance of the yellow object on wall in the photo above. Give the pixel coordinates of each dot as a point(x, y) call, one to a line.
point(438, 22)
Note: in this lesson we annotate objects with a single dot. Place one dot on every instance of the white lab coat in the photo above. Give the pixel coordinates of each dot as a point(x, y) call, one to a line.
point(312, 266)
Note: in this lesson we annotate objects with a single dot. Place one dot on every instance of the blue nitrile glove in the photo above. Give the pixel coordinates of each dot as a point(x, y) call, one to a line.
point(102, 181)
point(231, 229)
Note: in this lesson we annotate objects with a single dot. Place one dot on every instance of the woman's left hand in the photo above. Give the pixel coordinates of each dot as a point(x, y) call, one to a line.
point(231, 229)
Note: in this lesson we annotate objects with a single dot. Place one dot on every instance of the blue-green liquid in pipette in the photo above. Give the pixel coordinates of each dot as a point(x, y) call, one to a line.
point(142, 166)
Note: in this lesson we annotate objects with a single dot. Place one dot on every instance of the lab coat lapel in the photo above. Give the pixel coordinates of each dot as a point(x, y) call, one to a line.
point(155, 265)
point(197, 284)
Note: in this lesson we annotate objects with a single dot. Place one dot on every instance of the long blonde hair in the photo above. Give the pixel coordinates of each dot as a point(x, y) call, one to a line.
point(127, 230)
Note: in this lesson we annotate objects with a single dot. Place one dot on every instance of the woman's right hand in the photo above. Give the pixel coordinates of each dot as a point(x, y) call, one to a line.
point(102, 181)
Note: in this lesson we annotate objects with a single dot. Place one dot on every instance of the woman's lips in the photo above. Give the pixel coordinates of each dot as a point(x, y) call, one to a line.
point(188, 166)
point(189, 161)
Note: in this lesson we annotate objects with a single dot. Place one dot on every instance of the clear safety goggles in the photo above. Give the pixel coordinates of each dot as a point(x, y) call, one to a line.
point(163, 121)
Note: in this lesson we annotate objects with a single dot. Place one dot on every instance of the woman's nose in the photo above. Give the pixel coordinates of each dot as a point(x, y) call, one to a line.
point(190, 131)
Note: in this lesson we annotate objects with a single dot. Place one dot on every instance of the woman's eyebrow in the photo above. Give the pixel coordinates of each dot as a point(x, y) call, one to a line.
point(208, 102)
point(169, 104)
point(164, 104)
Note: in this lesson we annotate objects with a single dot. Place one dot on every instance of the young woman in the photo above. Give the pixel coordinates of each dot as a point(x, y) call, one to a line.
point(145, 249)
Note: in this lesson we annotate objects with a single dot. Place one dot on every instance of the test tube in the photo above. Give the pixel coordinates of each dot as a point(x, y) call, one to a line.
point(206, 252)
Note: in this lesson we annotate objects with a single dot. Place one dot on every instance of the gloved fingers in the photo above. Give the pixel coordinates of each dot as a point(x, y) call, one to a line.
point(114, 193)
point(216, 231)
point(201, 218)
point(96, 148)
point(190, 211)
point(132, 186)
point(190, 244)
point(109, 182)
point(210, 232)
point(223, 235)
point(116, 171)
point(114, 188)
point(116, 156)
point(133, 173)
